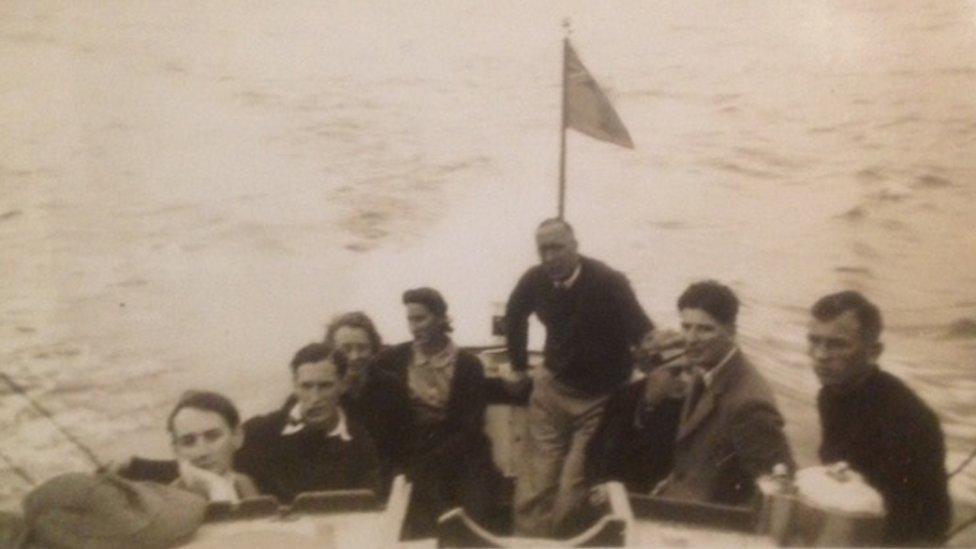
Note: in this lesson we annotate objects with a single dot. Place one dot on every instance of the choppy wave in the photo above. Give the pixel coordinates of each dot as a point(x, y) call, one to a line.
point(963, 328)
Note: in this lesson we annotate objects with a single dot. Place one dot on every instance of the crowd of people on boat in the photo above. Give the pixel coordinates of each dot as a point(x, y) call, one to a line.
point(681, 414)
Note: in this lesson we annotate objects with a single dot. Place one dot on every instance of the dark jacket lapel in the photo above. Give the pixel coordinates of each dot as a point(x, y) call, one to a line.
point(706, 405)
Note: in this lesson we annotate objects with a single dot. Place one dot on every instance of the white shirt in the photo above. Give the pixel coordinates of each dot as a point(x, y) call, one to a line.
point(569, 282)
point(296, 423)
point(709, 376)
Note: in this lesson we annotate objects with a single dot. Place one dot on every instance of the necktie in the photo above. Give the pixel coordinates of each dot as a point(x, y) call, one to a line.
point(697, 389)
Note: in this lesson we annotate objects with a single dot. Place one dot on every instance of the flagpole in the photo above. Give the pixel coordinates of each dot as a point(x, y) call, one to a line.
point(562, 128)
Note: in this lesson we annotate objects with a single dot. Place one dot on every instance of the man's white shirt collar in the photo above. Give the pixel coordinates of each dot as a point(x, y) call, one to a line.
point(709, 376)
point(296, 423)
point(569, 282)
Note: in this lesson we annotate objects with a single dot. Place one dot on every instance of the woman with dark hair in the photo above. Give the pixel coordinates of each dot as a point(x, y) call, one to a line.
point(449, 459)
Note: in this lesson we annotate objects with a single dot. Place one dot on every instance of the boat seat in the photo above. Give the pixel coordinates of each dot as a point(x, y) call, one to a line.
point(250, 508)
point(336, 501)
point(456, 529)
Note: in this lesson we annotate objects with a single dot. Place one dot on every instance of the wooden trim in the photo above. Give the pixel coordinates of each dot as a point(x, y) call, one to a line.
point(250, 508)
point(723, 517)
point(336, 501)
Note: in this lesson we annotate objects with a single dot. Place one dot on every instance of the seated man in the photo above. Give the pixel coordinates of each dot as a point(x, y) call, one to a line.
point(310, 443)
point(730, 431)
point(634, 443)
point(371, 398)
point(874, 422)
point(205, 428)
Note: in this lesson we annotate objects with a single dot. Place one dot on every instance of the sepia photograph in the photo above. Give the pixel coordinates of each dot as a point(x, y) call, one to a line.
point(427, 273)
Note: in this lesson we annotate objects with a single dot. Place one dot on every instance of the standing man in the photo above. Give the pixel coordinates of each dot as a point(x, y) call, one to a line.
point(874, 422)
point(592, 319)
point(731, 431)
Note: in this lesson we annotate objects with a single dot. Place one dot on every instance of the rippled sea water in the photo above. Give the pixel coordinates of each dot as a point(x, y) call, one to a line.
point(189, 191)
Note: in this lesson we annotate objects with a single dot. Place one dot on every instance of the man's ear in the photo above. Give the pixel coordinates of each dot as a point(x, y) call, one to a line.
point(874, 351)
point(237, 436)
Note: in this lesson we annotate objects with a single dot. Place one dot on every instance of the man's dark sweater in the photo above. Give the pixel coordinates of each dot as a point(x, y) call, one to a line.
point(884, 431)
point(286, 465)
point(634, 444)
point(589, 326)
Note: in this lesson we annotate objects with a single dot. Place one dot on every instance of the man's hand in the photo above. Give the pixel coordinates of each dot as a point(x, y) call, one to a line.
point(659, 346)
point(516, 382)
point(208, 483)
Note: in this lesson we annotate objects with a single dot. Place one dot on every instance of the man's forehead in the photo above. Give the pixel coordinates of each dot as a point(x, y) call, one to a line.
point(193, 420)
point(323, 370)
point(844, 325)
point(697, 315)
point(553, 232)
point(351, 334)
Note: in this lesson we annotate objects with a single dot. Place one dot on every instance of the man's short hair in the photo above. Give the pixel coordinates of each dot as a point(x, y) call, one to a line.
point(557, 221)
point(317, 352)
point(868, 316)
point(716, 299)
point(207, 401)
point(354, 319)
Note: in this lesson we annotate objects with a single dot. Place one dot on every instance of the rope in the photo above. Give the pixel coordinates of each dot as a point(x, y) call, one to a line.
point(15, 387)
point(964, 463)
point(19, 471)
point(972, 520)
point(952, 533)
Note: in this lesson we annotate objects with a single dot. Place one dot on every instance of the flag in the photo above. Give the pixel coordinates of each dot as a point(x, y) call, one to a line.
point(587, 108)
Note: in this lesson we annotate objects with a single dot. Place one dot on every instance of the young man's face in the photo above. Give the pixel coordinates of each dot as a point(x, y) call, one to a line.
point(317, 387)
point(354, 342)
point(707, 340)
point(557, 251)
point(205, 439)
point(664, 382)
point(839, 354)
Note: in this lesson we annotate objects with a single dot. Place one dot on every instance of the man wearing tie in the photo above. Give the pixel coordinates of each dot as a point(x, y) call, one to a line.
point(731, 431)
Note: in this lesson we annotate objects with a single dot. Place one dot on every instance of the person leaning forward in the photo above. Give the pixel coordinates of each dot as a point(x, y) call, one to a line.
point(635, 441)
point(877, 424)
point(592, 319)
point(731, 431)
